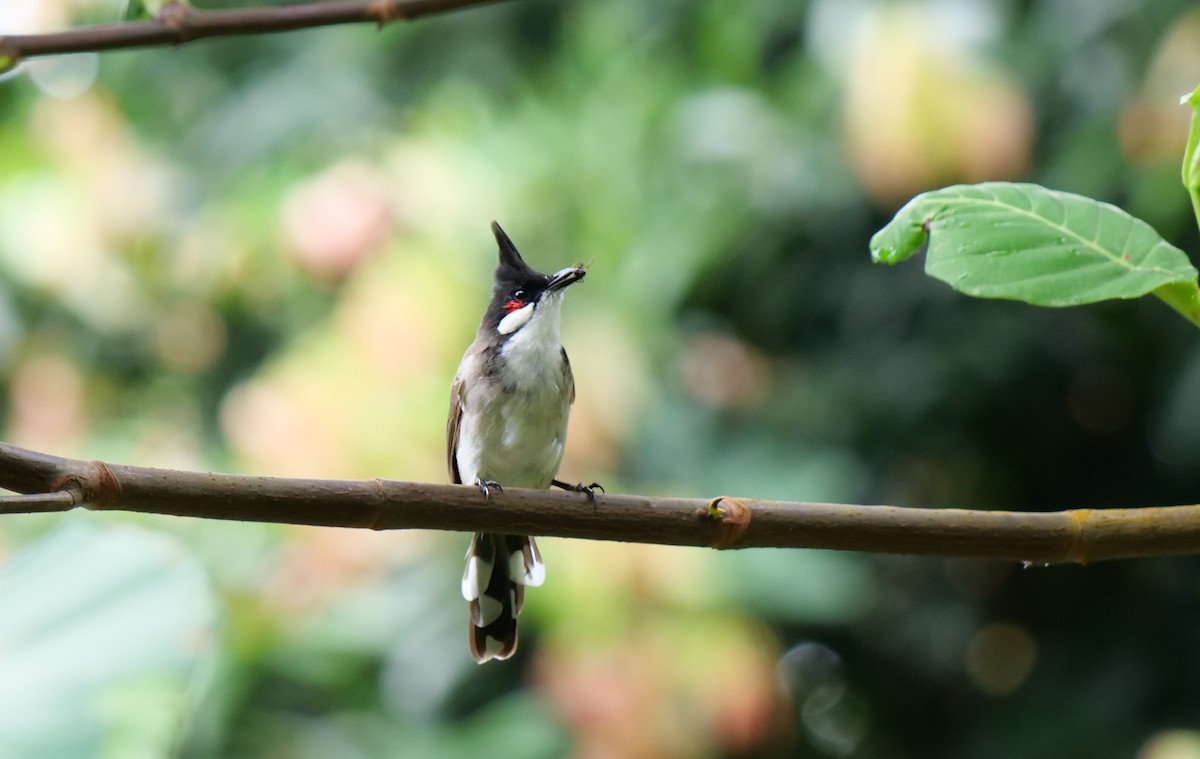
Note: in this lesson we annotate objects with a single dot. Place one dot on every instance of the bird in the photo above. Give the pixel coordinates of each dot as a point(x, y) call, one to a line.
point(509, 405)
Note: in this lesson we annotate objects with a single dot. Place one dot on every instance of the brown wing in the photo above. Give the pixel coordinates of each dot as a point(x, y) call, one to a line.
point(569, 378)
point(456, 412)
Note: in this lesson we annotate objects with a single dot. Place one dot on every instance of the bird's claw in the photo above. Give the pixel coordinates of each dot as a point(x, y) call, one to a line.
point(590, 489)
point(485, 485)
point(579, 487)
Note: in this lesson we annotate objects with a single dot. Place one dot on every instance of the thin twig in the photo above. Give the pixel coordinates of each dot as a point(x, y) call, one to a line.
point(36, 502)
point(178, 23)
point(1082, 535)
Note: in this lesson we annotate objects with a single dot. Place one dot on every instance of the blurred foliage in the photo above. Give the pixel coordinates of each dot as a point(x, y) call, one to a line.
point(267, 254)
point(109, 656)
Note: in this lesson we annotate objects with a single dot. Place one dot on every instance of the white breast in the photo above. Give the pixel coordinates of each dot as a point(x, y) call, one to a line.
point(513, 430)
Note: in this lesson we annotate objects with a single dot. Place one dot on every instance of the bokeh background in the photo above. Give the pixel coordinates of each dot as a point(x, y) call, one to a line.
point(267, 254)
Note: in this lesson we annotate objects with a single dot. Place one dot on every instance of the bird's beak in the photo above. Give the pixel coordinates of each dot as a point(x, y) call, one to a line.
point(565, 277)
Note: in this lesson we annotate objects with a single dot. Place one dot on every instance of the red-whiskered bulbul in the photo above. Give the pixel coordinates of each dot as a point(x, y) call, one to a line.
point(508, 423)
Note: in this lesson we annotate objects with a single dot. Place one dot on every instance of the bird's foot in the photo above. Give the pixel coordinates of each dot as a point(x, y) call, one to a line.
point(485, 485)
point(579, 487)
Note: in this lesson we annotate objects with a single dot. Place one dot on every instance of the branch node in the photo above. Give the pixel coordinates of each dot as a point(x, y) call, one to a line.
point(174, 15)
point(384, 12)
point(1077, 550)
point(93, 487)
point(733, 518)
point(377, 516)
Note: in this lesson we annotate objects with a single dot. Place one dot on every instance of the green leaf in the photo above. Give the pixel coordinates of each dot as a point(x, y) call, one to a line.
point(1024, 242)
point(1191, 156)
point(1191, 160)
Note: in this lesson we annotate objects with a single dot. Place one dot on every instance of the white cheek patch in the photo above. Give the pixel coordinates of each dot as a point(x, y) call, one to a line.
point(514, 321)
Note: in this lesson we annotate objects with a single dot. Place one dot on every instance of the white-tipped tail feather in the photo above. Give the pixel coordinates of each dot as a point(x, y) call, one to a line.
point(525, 566)
point(498, 569)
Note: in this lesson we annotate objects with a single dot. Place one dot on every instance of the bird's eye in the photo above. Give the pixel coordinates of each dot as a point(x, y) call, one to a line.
point(515, 302)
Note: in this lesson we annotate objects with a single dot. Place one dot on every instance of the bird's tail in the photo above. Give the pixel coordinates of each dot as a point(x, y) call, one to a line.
point(498, 569)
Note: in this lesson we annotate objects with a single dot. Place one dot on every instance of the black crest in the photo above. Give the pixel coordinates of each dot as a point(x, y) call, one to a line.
point(512, 273)
point(512, 268)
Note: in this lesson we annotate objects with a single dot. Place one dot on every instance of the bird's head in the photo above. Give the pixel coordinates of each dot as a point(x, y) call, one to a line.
point(520, 294)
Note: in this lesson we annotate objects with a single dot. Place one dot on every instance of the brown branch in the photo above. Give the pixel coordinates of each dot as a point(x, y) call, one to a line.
point(1082, 536)
point(177, 23)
